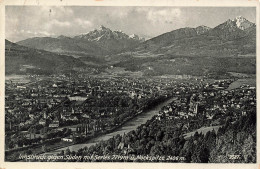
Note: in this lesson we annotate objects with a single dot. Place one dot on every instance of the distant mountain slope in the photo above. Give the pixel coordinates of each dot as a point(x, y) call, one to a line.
point(64, 45)
point(99, 42)
point(197, 66)
point(167, 38)
point(20, 59)
point(202, 29)
point(231, 38)
point(229, 47)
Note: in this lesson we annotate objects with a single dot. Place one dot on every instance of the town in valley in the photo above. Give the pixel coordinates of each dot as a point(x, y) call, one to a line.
point(184, 96)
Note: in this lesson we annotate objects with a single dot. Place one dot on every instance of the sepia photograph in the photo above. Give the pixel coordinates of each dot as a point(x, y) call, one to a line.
point(136, 84)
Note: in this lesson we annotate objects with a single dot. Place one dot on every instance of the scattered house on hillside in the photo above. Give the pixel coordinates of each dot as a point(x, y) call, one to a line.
point(55, 123)
point(121, 146)
point(67, 139)
point(42, 122)
point(85, 116)
point(81, 97)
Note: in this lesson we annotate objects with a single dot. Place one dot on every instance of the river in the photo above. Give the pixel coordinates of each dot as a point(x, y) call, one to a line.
point(125, 128)
point(240, 82)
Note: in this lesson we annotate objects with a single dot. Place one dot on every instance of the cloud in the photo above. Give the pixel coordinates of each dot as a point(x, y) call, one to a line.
point(161, 15)
point(83, 23)
point(54, 25)
point(24, 34)
point(44, 33)
point(114, 12)
point(30, 33)
point(164, 15)
point(59, 23)
point(37, 21)
point(119, 13)
point(56, 12)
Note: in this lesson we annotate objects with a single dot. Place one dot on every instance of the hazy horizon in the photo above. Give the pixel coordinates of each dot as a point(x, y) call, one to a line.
point(24, 22)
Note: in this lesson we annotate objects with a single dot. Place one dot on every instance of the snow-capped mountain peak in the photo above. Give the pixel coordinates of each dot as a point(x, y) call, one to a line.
point(119, 31)
point(239, 19)
point(103, 33)
point(134, 36)
point(101, 27)
point(242, 23)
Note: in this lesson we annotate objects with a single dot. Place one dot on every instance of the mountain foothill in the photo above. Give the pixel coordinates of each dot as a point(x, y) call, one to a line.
point(228, 47)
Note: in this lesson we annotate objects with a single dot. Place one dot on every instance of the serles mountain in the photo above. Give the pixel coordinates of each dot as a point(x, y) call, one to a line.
point(98, 42)
point(20, 59)
point(112, 41)
point(103, 33)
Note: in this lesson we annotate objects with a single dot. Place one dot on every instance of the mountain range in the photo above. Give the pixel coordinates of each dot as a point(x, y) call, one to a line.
point(99, 42)
point(231, 38)
point(178, 49)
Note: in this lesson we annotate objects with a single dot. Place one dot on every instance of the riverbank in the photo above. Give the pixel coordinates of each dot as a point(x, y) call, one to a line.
point(128, 126)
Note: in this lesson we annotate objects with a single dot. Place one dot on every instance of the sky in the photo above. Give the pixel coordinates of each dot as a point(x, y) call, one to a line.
point(24, 22)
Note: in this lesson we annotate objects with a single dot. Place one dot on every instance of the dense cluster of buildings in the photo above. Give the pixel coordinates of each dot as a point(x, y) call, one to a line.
point(212, 103)
point(58, 102)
